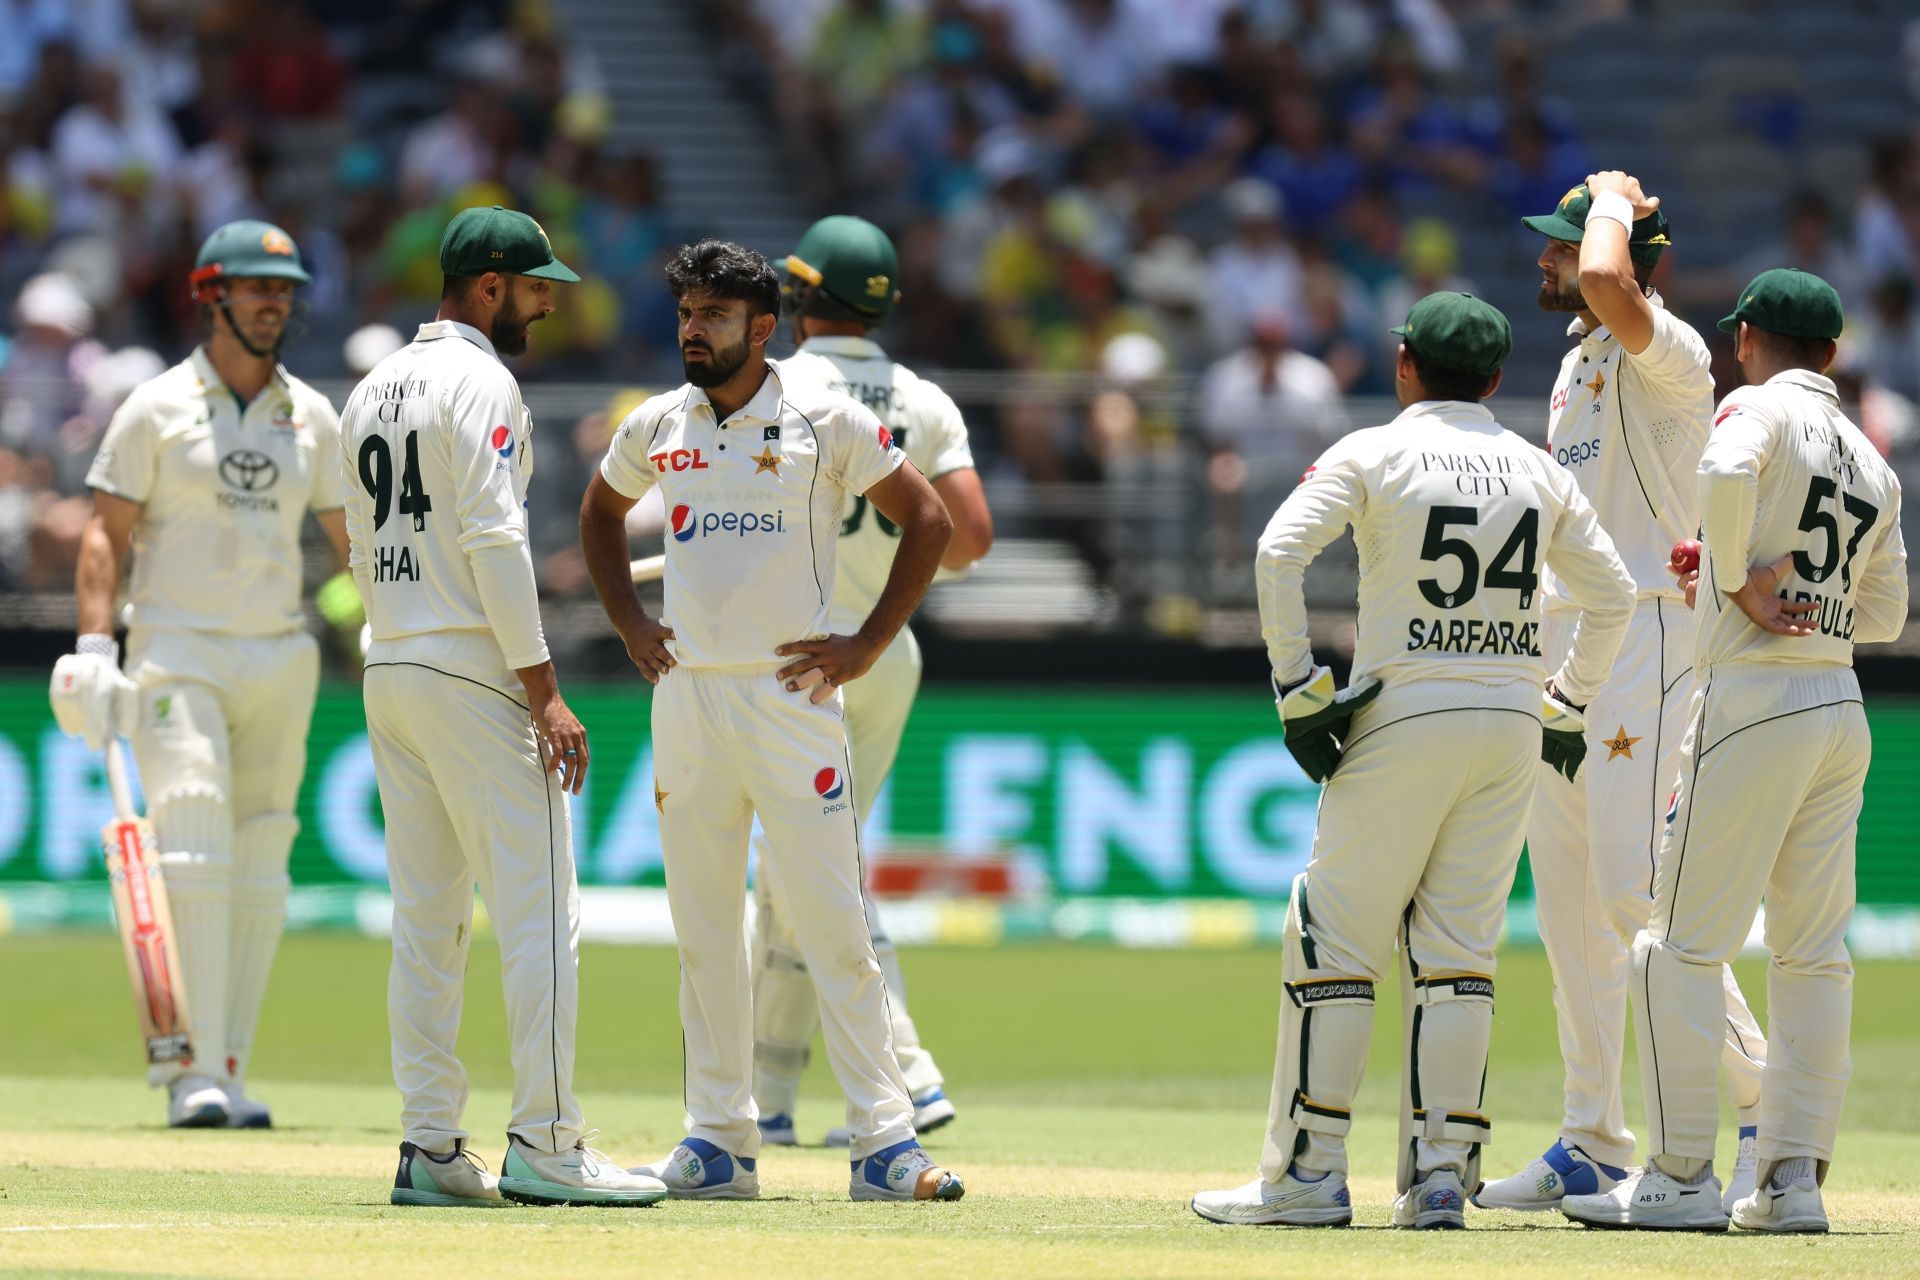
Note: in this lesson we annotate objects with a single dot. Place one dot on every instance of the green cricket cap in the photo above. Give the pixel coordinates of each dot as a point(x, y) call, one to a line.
point(1568, 221)
point(249, 248)
point(1458, 331)
point(1797, 304)
point(851, 260)
point(498, 239)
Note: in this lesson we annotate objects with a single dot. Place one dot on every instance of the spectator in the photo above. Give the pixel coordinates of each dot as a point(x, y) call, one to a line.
point(1098, 51)
point(452, 150)
point(1316, 172)
point(1339, 327)
point(31, 25)
point(1532, 167)
point(113, 163)
point(1881, 234)
point(288, 68)
point(626, 233)
point(1809, 244)
point(1256, 271)
point(1885, 342)
point(45, 379)
point(1429, 253)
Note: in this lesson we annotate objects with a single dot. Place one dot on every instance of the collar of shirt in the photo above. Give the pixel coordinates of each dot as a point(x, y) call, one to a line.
point(1578, 327)
point(1807, 380)
point(764, 407)
point(433, 330)
point(210, 377)
point(844, 345)
point(1459, 413)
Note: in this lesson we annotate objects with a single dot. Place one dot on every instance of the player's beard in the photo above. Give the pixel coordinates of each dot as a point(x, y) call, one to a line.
point(509, 329)
point(717, 367)
point(1561, 297)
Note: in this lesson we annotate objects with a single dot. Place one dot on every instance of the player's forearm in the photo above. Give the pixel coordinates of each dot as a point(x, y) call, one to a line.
point(503, 575)
point(96, 579)
point(923, 540)
point(603, 545)
point(1727, 497)
point(540, 682)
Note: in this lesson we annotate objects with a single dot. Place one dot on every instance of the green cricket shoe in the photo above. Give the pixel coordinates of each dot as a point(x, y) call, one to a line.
point(579, 1175)
point(453, 1181)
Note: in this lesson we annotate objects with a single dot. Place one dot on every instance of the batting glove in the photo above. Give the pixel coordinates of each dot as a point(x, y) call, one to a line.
point(1316, 719)
point(1563, 733)
point(91, 699)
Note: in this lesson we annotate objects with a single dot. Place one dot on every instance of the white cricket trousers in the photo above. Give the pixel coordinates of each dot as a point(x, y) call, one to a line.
point(1770, 789)
point(1593, 844)
point(727, 743)
point(221, 744)
point(468, 799)
point(785, 1014)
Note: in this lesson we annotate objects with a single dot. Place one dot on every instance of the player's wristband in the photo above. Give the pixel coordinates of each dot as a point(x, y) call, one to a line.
point(1615, 207)
point(106, 646)
point(1561, 698)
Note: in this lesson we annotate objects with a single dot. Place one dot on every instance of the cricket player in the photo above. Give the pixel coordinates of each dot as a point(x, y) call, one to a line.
point(1428, 755)
point(1629, 418)
point(206, 475)
point(473, 747)
point(1803, 560)
point(755, 470)
point(840, 285)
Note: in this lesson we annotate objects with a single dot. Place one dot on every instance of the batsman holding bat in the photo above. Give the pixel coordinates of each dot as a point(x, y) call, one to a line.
point(1429, 757)
point(1629, 418)
point(206, 475)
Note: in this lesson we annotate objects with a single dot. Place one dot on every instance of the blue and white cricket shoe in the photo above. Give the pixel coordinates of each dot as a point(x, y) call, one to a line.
point(931, 1110)
point(698, 1170)
point(776, 1130)
point(1746, 1168)
point(1562, 1171)
point(904, 1171)
point(1290, 1202)
point(196, 1102)
point(1438, 1203)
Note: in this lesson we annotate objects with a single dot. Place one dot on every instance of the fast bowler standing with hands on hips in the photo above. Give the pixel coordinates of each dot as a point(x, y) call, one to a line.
point(1428, 756)
point(1804, 560)
point(473, 747)
point(1629, 416)
point(747, 712)
point(205, 476)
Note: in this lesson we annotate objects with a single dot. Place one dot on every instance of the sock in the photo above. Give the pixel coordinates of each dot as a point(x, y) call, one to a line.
point(1685, 1170)
point(1787, 1172)
point(1298, 1174)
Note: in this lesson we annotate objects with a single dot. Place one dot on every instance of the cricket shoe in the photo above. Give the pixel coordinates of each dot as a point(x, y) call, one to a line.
point(1794, 1208)
point(453, 1181)
point(776, 1130)
point(698, 1170)
point(904, 1171)
point(196, 1102)
point(1746, 1168)
point(1290, 1202)
point(1562, 1171)
point(1651, 1200)
point(244, 1112)
point(579, 1175)
point(1436, 1203)
point(931, 1110)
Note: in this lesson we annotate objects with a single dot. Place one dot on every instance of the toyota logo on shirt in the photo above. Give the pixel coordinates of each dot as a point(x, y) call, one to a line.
point(248, 471)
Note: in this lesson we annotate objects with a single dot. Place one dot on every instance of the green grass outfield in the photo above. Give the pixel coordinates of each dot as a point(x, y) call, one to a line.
point(1097, 1088)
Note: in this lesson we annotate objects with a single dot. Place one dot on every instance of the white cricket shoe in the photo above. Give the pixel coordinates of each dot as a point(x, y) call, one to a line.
point(931, 1110)
point(1562, 1171)
point(904, 1171)
point(1436, 1203)
point(698, 1170)
point(1783, 1209)
point(196, 1102)
point(1746, 1169)
point(453, 1181)
point(1289, 1202)
point(244, 1112)
point(579, 1175)
point(1650, 1200)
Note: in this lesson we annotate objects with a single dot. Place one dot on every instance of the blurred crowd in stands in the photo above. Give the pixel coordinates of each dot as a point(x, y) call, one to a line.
point(1176, 230)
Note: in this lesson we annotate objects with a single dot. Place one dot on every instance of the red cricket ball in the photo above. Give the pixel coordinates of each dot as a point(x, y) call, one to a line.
point(1686, 555)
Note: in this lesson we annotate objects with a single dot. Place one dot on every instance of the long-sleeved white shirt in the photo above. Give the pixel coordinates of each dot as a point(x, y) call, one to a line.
point(1786, 472)
point(1454, 517)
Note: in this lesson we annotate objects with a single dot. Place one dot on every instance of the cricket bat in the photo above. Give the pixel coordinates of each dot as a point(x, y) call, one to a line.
point(647, 569)
point(141, 910)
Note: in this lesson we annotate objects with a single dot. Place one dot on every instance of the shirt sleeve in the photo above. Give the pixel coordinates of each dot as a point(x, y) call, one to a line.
point(1880, 603)
point(1585, 561)
point(1331, 496)
point(329, 489)
point(626, 468)
point(858, 452)
point(951, 450)
point(482, 419)
point(1729, 485)
point(129, 454)
point(1676, 357)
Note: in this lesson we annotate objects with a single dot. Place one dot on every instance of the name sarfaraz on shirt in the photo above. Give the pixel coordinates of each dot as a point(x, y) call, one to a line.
point(1474, 635)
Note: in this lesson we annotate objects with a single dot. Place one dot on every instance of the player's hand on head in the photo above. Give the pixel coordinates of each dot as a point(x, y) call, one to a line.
point(1768, 611)
point(647, 647)
point(1623, 184)
point(823, 664)
point(565, 740)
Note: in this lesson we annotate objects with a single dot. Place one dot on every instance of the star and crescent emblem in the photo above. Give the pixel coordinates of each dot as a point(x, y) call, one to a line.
point(1620, 744)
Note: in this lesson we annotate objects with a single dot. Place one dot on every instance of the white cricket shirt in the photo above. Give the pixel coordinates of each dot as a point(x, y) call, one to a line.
point(753, 509)
point(924, 422)
point(1630, 429)
point(225, 488)
point(1455, 517)
point(1786, 472)
point(439, 451)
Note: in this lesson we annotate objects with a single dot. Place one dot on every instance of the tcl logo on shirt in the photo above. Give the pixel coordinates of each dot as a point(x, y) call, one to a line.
point(678, 460)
